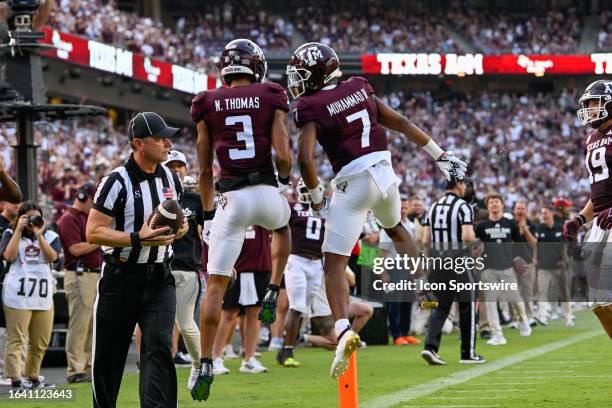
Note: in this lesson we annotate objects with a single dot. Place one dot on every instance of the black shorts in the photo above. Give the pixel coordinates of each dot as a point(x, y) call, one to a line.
point(231, 300)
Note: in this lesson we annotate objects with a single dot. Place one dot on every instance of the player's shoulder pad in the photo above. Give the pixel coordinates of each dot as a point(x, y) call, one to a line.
point(198, 106)
point(278, 95)
point(361, 81)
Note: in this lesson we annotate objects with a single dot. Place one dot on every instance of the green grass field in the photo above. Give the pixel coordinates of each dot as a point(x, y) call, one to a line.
point(555, 367)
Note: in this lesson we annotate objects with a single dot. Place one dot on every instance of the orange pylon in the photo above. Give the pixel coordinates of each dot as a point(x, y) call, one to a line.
point(347, 386)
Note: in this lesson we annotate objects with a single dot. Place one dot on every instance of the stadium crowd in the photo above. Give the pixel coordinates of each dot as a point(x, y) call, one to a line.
point(555, 32)
point(195, 40)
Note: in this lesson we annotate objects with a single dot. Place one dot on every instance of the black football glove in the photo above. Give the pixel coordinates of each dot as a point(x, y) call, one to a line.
point(604, 219)
point(571, 227)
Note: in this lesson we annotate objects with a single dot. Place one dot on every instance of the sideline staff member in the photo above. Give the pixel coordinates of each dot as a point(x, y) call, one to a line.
point(83, 262)
point(136, 284)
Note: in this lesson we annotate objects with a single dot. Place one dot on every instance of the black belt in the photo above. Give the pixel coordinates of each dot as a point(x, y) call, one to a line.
point(251, 179)
point(117, 265)
point(90, 270)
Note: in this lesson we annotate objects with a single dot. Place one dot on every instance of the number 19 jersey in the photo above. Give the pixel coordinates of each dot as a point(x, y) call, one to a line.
point(598, 149)
point(347, 116)
point(239, 121)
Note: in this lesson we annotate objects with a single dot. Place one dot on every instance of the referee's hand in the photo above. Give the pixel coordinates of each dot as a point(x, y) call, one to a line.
point(155, 237)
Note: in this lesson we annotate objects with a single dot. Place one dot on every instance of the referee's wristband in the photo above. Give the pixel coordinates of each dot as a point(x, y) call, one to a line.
point(135, 239)
point(209, 215)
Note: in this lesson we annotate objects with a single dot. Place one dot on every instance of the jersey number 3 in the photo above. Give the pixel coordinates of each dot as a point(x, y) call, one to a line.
point(596, 159)
point(246, 136)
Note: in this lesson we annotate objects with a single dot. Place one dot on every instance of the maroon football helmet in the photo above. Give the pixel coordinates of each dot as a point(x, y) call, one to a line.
point(311, 67)
point(242, 57)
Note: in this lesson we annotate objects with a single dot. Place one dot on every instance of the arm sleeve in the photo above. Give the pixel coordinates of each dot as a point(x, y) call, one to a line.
point(466, 214)
point(110, 196)
point(279, 98)
point(516, 234)
point(56, 244)
point(480, 232)
point(6, 237)
point(303, 113)
point(198, 107)
point(69, 231)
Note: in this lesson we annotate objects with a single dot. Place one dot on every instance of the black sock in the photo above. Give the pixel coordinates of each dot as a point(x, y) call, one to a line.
point(206, 360)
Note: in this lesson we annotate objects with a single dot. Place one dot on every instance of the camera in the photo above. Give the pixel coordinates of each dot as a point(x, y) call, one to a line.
point(36, 221)
point(21, 14)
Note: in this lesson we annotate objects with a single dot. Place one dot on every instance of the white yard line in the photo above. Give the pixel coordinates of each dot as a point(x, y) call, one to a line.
point(442, 383)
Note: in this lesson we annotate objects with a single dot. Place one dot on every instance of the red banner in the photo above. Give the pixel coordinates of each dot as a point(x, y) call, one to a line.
point(477, 64)
point(118, 61)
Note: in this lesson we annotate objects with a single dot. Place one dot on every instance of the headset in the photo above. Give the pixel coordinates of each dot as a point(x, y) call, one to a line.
point(83, 193)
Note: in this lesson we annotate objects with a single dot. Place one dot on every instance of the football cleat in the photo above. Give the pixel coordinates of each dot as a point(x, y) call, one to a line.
point(432, 357)
point(193, 376)
point(348, 342)
point(201, 388)
point(285, 358)
point(475, 359)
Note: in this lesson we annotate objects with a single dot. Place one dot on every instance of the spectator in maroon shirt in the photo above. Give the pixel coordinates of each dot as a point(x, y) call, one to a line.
point(83, 263)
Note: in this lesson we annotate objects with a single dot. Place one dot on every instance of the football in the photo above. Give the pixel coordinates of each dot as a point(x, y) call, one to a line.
point(169, 213)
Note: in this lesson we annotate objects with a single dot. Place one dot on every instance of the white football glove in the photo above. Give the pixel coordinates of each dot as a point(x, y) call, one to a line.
point(206, 232)
point(449, 164)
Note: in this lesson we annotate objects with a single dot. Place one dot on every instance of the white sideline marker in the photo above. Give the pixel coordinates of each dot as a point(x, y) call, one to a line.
point(438, 384)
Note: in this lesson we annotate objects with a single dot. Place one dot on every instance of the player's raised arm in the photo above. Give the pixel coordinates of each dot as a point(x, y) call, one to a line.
point(280, 142)
point(205, 158)
point(393, 120)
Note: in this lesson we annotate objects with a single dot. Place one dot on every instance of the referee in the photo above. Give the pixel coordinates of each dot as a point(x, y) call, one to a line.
point(136, 286)
point(448, 225)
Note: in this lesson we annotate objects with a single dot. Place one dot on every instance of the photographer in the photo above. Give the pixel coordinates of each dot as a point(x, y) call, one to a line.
point(28, 293)
point(39, 19)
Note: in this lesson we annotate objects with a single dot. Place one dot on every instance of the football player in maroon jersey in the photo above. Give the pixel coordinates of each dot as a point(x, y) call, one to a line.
point(304, 271)
point(240, 123)
point(596, 111)
point(349, 122)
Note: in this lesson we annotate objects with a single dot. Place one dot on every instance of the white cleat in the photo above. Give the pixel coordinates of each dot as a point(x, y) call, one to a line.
point(229, 353)
point(497, 340)
point(252, 366)
point(348, 343)
point(525, 329)
point(193, 376)
point(218, 367)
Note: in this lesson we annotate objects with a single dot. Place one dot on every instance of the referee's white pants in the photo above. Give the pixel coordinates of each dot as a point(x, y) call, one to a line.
point(187, 289)
point(261, 205)
point(303, 278)
point(349, 208)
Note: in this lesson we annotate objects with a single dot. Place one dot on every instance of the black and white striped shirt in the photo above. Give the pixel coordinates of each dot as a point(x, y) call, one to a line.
point(445, 218)
point(129, 195)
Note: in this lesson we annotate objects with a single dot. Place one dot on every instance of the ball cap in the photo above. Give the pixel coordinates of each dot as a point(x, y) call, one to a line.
point(149, 124)
point(176, 156)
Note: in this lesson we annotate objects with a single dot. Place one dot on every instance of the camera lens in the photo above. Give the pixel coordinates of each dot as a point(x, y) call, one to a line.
point(36, 221)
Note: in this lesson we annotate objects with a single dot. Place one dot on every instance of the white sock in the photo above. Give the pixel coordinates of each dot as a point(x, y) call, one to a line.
point(341, 325)
point(277, 339)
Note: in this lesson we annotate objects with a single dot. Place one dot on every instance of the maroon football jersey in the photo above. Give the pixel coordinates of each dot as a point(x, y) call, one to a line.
point(255, 255)
point(598, 149)
point(240, 123)
point(306, 232)
point(348, 118)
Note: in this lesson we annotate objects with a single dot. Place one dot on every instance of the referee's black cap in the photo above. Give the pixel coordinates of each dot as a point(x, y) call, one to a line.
point(149, 124)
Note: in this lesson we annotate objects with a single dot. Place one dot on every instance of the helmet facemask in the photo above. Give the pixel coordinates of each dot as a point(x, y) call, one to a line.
point(594, 115)
point(296, 80)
